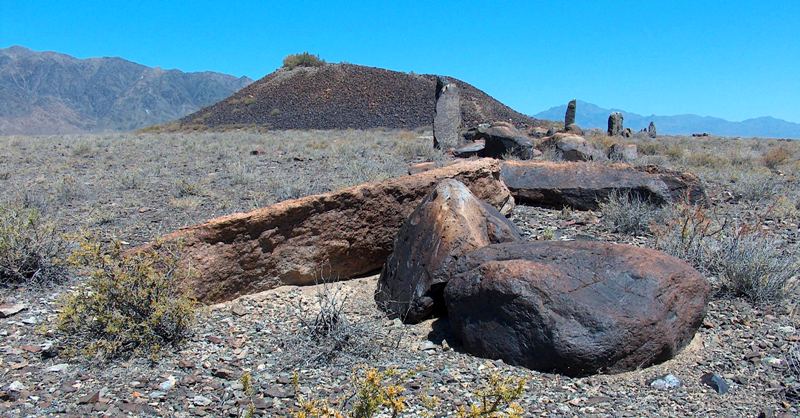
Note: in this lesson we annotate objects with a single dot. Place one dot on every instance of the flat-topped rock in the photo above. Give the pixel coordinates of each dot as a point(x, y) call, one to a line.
point(343, 234)
point(583, 185)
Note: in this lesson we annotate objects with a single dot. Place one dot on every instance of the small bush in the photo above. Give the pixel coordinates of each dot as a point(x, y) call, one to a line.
point(31, 249)
point(302, 60)
point(743, 257)
point(754, 187)
point(628, 214)
point(776, 156)
point(793, 360)
point(130, 306)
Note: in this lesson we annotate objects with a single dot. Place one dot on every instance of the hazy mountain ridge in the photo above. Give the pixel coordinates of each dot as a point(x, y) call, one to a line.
point(49, 92)
point(589, 115)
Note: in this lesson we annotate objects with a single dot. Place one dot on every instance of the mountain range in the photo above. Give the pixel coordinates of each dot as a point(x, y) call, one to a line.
point(588, 115)
point(53, 93)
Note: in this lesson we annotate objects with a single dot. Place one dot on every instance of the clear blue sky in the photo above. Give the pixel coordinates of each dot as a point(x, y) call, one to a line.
point(732, 59)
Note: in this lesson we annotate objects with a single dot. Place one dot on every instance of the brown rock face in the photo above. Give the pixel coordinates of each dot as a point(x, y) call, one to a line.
point(615, 124)
point(575, 308)
point(583, 185)
point(571, 147)
point(448, 223)
point(569, 116)
point(346, 233)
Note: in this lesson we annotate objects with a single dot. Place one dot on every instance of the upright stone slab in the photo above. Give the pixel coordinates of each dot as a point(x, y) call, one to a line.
point(651, 130)
point(447, 116)
point(569, 117)
point(615, 124)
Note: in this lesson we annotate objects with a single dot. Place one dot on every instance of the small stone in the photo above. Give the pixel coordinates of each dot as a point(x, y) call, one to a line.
point(49, 350)
point(30, 321)
point(201, 400)
point(277, 392)
point(226, 374)
point(238, 310)
point(427, 346)
point(7, 309)
point(58, 368)
point(788, 329)
point(772, 361)
point(31, 348)
point(716, 382)
point(156, 394)
point(16, 386)
point(89, 399)
point(167, 384)
point(666, 382)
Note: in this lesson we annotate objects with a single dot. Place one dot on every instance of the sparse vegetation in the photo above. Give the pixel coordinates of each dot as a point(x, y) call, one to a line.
point(628, 213)
point(130, 305)
point(31, 249)
point(303, 59)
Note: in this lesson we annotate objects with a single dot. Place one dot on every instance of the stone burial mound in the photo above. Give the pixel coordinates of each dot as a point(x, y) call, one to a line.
point(349, 232)
point(575, 308)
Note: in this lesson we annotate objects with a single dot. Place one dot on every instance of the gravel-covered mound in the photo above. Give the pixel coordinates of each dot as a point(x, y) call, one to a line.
point(340, 96)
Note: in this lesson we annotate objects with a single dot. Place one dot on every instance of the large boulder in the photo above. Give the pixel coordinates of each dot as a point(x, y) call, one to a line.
point(615, 124)
point(343, 234)
point(569, 116)
point(447, 116)
point(575, 308)
point(570, 147)
point(501, 139)
point(583, 186)
point(450, 222)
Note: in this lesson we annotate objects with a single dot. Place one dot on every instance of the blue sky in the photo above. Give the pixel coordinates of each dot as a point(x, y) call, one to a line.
point(732, 59)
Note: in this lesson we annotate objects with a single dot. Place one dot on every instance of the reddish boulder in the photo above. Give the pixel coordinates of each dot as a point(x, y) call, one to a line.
point(583, 185)
point(575, 308)
point(450, 222)
point(346, 233)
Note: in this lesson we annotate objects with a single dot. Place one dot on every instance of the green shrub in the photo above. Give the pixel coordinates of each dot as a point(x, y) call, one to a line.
point(302, 60)
point(31, 249)
point(131, 304)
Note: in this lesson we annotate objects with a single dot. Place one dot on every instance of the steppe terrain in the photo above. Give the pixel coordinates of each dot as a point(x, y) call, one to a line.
point(136, 187)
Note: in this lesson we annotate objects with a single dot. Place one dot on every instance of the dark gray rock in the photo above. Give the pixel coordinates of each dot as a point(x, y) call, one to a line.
point(651, 130)
point(448, 223)
point(569, 116)
point(573, 128)
point(570, 147)
point(583, 185)
point(615, 124)
point(475, 148)
point(716, 382)
point(501, 139)
point(447, 115)
point(575, 308)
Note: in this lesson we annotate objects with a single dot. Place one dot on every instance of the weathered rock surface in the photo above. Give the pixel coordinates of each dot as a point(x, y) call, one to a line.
point(576, 307)
point(569, 116)
point(574, 129)
point(615, 124)
point(447, 115)
point(572, 148)
point(583, 186)
point(502, 138)
point(623, 152)
point(627, 133)
point(448, 223)
point(471, 149)
point(346, 233)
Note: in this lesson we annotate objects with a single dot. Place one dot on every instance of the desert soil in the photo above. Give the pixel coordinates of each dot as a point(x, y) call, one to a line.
point(137, 187)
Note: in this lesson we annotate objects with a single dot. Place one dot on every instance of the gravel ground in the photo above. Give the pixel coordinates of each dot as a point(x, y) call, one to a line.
point(260, 334)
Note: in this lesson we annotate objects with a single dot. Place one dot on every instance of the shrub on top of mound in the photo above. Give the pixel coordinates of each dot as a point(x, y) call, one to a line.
point(303, 59)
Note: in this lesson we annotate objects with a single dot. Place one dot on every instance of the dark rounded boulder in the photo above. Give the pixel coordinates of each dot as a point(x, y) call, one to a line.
point(448, 223)
point(575, 308)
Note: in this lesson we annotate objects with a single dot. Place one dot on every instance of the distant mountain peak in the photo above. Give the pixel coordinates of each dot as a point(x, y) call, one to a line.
point(50, 92)
point(589, 115)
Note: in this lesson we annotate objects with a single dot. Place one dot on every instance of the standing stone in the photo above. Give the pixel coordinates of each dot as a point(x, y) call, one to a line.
point(569, 118)
point(447, 116)
point(651, 130)
point(615, 124)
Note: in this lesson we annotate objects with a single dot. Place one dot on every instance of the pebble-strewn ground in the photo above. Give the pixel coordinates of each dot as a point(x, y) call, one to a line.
point(746, 345)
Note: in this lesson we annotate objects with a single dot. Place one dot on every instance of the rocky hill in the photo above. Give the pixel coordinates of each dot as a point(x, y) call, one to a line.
point(339, 96)
point(49, 93)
